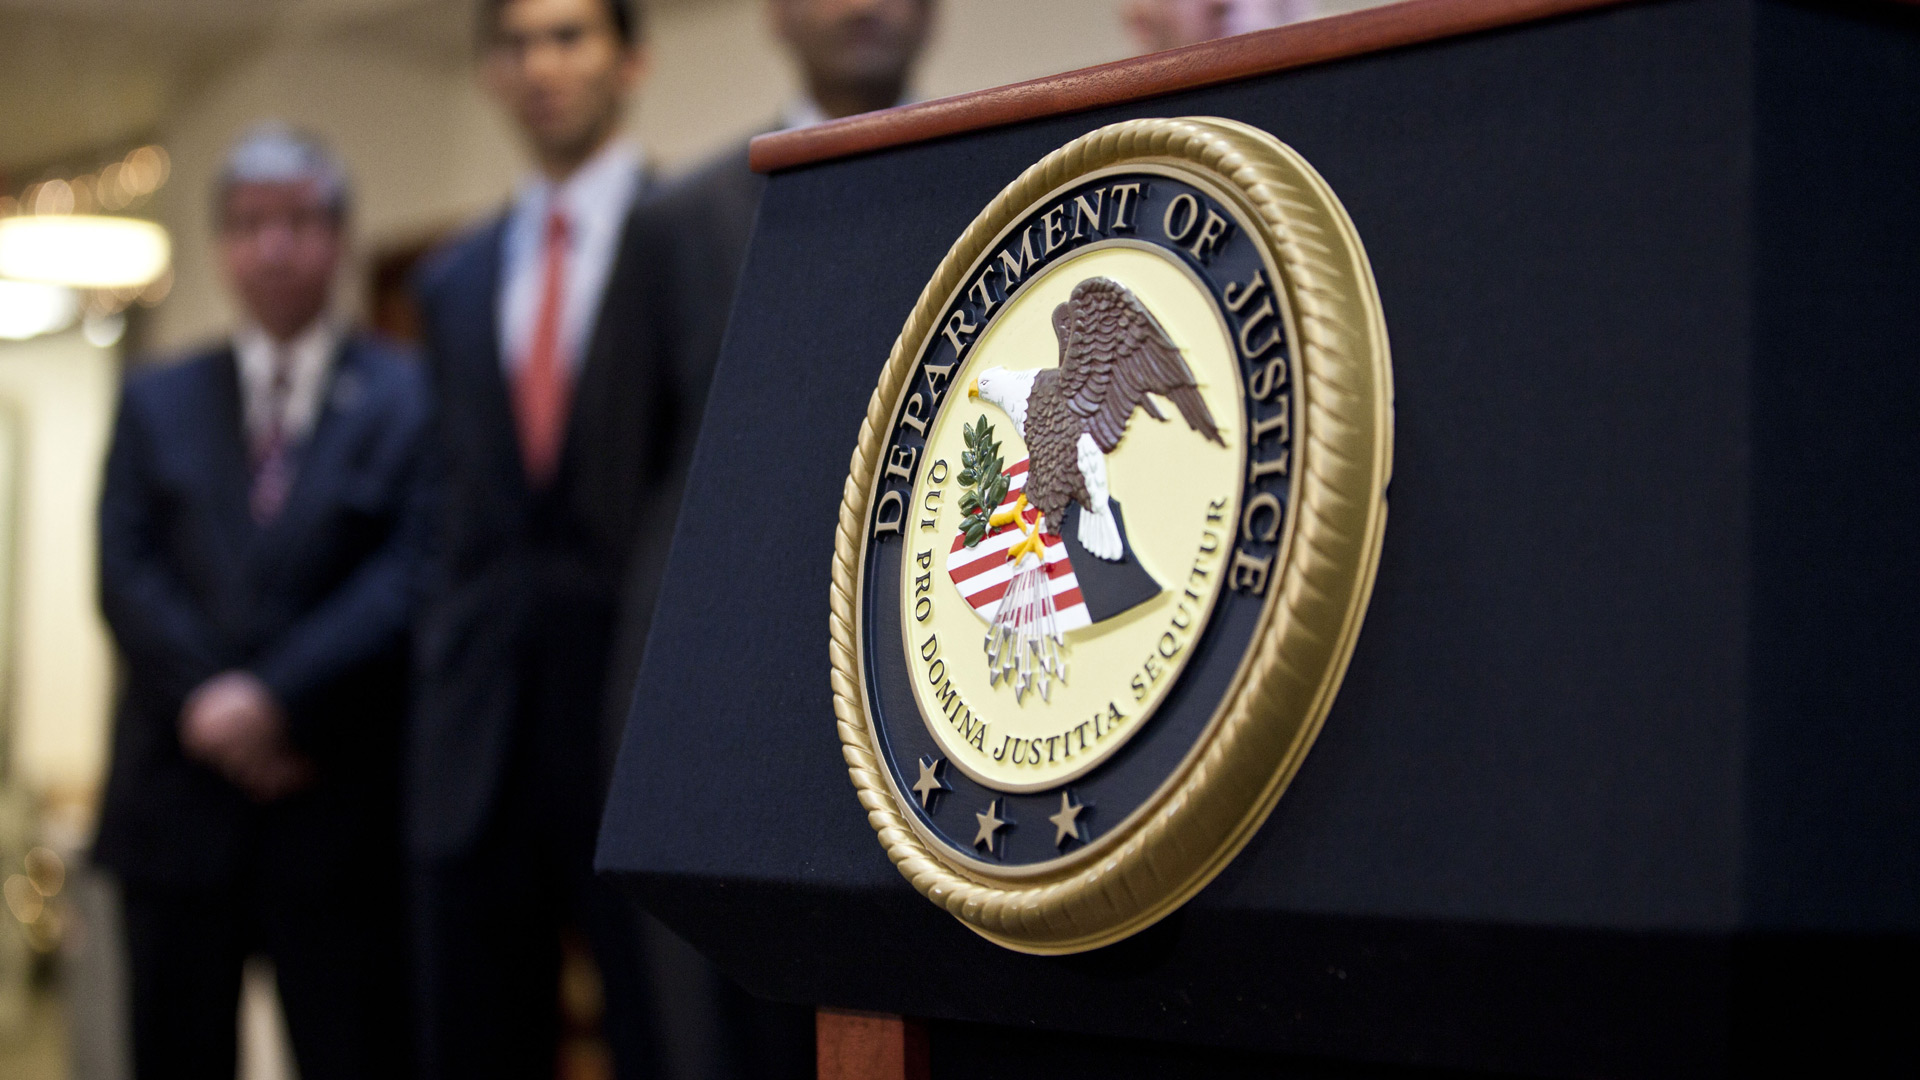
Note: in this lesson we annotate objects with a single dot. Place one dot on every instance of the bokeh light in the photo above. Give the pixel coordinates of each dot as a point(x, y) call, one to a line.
point(31, 308)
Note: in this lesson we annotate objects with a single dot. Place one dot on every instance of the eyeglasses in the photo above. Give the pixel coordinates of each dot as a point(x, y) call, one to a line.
point(247, 224)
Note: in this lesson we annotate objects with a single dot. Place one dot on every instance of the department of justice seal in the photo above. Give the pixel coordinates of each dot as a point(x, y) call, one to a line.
point(1110, 530)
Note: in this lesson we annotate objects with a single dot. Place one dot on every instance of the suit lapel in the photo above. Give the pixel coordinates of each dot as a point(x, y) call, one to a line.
point(603, 343)
point(224, 428)
point(478, 351)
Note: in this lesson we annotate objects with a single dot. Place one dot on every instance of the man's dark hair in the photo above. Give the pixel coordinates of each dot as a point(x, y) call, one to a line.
point(627, 16)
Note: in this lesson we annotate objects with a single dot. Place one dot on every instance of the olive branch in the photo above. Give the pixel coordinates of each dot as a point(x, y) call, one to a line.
point(983, 483)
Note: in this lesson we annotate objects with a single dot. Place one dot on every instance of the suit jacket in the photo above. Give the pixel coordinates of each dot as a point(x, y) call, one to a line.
point(693, 233)
point(702, 223)
point(316, 603)
point(514, 566)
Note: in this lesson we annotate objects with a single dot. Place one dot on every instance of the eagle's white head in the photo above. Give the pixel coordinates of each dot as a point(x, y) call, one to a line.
point(1006, 390)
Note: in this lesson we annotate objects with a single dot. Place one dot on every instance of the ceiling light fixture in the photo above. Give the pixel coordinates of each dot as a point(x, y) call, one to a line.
point(83, 251)
point(31, 308)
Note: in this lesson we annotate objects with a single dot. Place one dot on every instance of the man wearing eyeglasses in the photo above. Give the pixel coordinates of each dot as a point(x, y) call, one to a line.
point(261, 525)
point(554, 446)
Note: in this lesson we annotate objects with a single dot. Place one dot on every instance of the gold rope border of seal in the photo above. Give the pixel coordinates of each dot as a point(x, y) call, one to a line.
point(1343, 445)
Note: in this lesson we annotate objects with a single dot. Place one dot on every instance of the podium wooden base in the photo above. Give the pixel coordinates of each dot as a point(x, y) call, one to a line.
point(870, 1046)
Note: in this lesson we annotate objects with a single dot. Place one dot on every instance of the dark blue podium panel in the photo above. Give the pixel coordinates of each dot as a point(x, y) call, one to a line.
point(1624, 778)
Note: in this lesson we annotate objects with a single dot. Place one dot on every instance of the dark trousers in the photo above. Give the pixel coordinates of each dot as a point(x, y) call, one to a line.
point(337, 955)
point(489, 922)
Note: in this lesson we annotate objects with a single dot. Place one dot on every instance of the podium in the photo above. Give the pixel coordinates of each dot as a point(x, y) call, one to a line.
point(1624, 775)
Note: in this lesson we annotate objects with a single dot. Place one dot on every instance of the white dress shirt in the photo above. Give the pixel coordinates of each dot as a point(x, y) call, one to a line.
point(310, 355)
point(803, 111)
point(595, 200)
point(799, 112)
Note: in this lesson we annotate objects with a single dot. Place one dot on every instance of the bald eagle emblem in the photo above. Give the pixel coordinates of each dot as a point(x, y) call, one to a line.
point(1114, 358)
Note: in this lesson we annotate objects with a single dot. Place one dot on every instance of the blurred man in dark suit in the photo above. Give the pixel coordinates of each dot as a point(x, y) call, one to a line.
point(854, 56)
point(558, 422)
point(260, 529)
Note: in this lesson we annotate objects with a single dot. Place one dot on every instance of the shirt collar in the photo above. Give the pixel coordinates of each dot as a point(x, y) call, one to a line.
point(316, 342)
point(282, 384)
point(801, 112)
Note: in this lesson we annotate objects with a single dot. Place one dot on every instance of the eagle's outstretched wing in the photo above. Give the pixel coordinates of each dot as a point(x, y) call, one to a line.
point(1113, 353)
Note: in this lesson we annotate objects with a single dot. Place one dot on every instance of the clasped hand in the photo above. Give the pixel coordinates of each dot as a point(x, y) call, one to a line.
point(232, 723)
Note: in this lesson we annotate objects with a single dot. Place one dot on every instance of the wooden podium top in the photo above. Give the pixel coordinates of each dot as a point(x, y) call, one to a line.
point(1316, 41)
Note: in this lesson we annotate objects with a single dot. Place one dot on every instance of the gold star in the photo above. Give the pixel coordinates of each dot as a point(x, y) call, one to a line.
point(1066, 823)
point(989, 824)
point(929, 783)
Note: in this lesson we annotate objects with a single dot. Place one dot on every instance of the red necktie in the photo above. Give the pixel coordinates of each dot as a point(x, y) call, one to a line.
point(544, 384)
point(272, 458)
